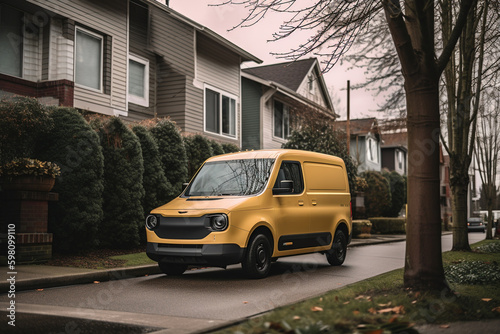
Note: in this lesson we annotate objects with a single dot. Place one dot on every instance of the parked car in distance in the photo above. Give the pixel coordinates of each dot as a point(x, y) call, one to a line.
point(252, 208)
point(475, 224)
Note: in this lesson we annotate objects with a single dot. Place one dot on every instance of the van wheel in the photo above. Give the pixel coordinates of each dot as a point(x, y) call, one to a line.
point(172, 269)
point(257, 260)
point(336, 255)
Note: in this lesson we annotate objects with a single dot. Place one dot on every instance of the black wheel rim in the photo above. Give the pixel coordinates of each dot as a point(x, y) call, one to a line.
point(261, 257)
point(339, 249)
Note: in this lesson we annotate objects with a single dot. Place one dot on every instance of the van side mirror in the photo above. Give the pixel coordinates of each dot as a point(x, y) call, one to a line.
point(286, 187)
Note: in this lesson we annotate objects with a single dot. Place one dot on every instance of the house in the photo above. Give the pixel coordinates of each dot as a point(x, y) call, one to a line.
point(365, 143)
point(395, 145)
point(136, 59)
point(276, 96)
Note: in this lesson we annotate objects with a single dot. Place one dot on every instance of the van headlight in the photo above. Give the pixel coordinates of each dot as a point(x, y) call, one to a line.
point(151, 222)
point(218, 222)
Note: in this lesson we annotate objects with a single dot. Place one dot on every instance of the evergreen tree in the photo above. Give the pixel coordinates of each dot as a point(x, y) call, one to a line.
point(123, 190)
point(198, 150)
point(216, 147)
point(397, 187)
point(75, 218)
point(172, 153)
point(230, 148)
point(377, 195)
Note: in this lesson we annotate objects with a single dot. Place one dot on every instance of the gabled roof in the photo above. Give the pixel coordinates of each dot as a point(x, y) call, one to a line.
point(289, 74)
point(360, 127)
point(245, 55)
point(397, 139)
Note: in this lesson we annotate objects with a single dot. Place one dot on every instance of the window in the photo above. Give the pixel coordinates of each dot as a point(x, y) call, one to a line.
point(88, 59)
point(11, 41)
point(291, 171)
point(310, 83)
point(372, 150)
point(281, 120)
point(138, 81)
point(220, 113)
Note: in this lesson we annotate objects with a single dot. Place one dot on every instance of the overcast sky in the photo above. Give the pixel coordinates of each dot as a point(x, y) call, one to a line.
point(255, 40)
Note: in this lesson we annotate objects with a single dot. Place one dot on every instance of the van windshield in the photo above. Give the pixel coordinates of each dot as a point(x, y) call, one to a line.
point(231, 178)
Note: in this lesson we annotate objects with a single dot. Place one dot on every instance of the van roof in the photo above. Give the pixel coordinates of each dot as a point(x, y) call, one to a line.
point(274, 154)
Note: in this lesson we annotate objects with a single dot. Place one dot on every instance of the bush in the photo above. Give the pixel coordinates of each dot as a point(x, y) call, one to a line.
point(172, 152)
point(397, 186)
point(321, 137)
point(388, 225)
point(377, 195)
point(361, 227)
point(123, 190)
point(22, 121)
point(157, 189)
point(198, 149)
point(216, 147)
point(74, 146)
point(230, 148)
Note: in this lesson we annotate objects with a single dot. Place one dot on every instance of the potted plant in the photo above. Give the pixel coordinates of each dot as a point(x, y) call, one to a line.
point(28, 175)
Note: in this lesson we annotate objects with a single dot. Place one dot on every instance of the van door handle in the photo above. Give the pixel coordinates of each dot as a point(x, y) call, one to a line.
point(301, 203)
point(314, 202)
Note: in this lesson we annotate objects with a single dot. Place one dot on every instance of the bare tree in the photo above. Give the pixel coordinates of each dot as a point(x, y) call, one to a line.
point(487, 152)
point(334, 26)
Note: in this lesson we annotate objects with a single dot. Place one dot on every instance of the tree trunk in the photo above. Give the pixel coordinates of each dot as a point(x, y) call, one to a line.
point(423, 265)
point(459, 214)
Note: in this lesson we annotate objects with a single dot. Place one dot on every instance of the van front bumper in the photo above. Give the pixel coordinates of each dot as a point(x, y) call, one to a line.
point(219, 255)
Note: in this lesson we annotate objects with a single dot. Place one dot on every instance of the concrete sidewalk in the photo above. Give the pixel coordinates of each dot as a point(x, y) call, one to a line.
point(31, 277)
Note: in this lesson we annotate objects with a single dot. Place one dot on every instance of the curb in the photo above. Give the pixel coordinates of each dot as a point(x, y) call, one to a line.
point(82, 278)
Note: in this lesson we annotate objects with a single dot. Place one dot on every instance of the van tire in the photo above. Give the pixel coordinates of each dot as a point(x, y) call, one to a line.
point(257, 260)
point(172, 269)
point(336, 255)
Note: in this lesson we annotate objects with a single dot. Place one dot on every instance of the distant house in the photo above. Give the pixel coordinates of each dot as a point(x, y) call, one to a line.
point(276, 95)
point(395, 145)
point(136, 59)
point(365, 143)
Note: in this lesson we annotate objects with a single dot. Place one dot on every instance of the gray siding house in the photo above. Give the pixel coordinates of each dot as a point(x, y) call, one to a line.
point(365, 143)
point(395, 145)
point(136, 59)
point(276, 95)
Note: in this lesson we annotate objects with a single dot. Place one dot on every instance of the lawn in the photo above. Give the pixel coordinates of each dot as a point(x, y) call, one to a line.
point(381, 303)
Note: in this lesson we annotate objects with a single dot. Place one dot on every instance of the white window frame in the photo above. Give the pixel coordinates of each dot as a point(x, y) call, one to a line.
point(236, 113)
point(101, 81)
point(400, 159)
point(373, 152)
point(286, 110)
point(142, 101)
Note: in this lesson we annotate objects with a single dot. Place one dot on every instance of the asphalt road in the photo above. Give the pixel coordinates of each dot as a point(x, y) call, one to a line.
point(200, 298)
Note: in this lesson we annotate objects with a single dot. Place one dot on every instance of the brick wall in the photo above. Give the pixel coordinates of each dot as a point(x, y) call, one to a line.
point(61, 90)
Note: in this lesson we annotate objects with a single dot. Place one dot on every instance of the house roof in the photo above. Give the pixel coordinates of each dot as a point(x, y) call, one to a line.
point(361, 126)
point(398, 139)
point(289, 74)
point(245, 55)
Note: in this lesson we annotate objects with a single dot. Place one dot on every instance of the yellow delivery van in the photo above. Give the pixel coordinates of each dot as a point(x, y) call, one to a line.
point(252, 208)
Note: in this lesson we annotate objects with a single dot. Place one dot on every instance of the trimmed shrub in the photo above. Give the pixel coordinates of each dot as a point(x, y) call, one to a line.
point(123, 190)
point(230, 148)
point(216, 147)
point(198, 149)
point(377, 195)
point(74, 146)
point(397, 186)
point(157, 189)
point(321, 137)
point(361, 228)
point(388, 225)
point(172, 153)
point(22, 121)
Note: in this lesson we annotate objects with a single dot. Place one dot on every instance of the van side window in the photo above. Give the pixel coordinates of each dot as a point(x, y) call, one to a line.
point(291, 171)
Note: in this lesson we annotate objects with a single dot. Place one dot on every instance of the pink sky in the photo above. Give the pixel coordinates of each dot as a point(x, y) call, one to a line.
point(255, 40)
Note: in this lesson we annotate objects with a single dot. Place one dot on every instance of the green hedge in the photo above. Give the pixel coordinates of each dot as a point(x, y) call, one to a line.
point(361, 227)
point(74, 146)
point(388, 225)
point(377, 195)
point(198, 149)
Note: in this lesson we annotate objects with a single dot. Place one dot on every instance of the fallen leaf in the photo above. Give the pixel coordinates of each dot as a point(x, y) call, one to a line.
point(496, 309)
point(372, 310)
point(417, 294)
point(96, 282)
point(359, 297)
point(296, 317)
point(444, 326)
point(385, 310)
point(414, 302)
point(393, 319)
point(385, 305)
point(245, 302)
point(398, 309)
point(486, 299)
point(345, 303)
point(321, 299)
point(316, 309)
point(39, 289)
point(355, 312)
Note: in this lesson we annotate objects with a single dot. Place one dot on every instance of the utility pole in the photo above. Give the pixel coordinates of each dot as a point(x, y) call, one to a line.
point(348, 123)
